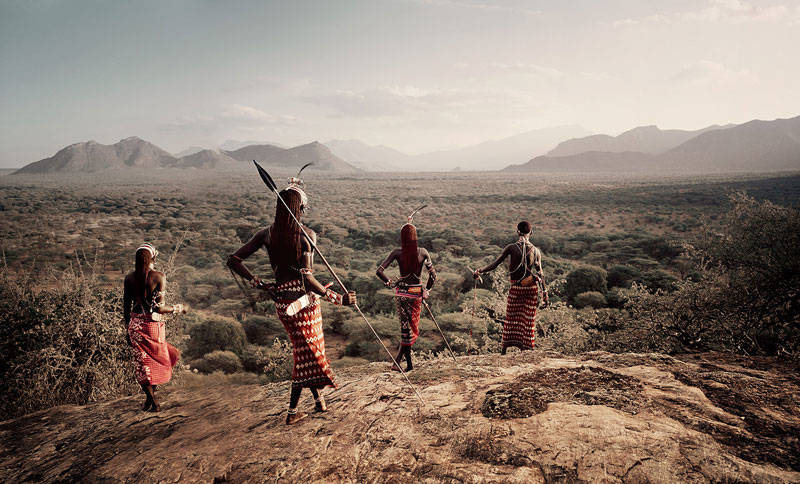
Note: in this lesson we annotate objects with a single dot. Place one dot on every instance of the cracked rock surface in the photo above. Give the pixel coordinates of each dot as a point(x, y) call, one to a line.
point(523, 417)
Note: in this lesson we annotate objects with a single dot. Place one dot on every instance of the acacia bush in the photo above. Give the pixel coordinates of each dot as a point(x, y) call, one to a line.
point(585, 279)
point(274, 362)
point(63, 343)
point(216, 334)
point(745, 295)
point(591, 299)
point(224, 361)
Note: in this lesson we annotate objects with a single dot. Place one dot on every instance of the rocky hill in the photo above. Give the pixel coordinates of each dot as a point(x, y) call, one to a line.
point(526, 417)
point(205, 159)
point(270, 155)
point(90, 156)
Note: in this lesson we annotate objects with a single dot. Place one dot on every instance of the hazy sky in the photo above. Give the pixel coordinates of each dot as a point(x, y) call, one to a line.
point(412, 74)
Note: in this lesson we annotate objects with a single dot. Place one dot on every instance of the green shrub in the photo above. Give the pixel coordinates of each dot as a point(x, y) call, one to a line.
point(585, 279)
point(216, 334)
point(622, 275)
point(224, 361)
point(744, 296)
point(261, 330)
point(364, 349)
point(272, 361)
point(659, 280)
point(591, 299)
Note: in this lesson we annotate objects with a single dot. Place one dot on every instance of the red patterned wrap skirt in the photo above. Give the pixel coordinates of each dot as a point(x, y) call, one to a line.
point(408, 308)
point(154, 357)
point(311, 367)
point(520, 327)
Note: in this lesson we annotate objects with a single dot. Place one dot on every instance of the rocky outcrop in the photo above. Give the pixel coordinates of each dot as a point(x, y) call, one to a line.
point(524, 417)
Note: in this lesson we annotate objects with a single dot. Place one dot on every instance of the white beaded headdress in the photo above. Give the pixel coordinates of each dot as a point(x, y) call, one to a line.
point(296, 184)
point(150, 248)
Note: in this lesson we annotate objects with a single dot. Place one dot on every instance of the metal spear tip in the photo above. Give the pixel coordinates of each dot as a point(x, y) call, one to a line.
point(266, 178)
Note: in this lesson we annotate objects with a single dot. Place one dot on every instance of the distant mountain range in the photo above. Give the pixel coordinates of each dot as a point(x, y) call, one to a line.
point(755, 146)
point(644, 139)
point(136, 153)
point(315, 152)
point(369, 157)
point(486, 156)
point(495, 154)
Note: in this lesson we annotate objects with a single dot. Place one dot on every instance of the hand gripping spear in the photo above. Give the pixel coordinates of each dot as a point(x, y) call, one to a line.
point(272, 186)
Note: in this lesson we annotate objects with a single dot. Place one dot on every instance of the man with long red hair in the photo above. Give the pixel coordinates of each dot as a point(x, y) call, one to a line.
point(291, 256)
point(408, 288)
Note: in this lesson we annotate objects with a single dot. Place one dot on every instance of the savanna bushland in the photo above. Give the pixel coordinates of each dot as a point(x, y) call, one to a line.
point(669, 351)
point(667, 265)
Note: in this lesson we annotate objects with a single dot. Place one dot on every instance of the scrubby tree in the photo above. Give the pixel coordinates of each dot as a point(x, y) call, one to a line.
point(216, 334)
point(622, 275)
point(585, 279)
point(590, 299)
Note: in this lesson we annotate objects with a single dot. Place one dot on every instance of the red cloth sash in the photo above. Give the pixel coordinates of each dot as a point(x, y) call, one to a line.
point(154, 357)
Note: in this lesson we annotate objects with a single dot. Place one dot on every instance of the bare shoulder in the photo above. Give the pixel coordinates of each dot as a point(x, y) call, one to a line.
point(129, 277)
point(263, 235)
point(311, 234)
point(424, 253)
point(157, 276)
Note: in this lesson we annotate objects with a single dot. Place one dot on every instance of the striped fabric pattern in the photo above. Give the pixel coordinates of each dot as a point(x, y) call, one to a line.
point(311, 367)
point(520, 327)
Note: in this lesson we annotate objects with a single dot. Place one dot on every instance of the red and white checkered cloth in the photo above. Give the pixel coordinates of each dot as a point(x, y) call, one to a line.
point(154, 357)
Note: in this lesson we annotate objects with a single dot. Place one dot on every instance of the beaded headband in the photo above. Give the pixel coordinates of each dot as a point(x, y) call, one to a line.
point(149, 248)
point(296, 184)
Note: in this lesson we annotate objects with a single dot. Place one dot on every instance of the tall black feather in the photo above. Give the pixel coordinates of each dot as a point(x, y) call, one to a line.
point(303, 168)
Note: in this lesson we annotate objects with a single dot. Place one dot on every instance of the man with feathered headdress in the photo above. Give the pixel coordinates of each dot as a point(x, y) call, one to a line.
point(296, 293)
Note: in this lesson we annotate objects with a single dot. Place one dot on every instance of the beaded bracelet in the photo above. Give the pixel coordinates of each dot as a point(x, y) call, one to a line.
point(333, 297)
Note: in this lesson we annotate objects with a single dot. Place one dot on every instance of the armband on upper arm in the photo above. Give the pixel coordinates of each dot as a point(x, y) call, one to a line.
point(306, 272)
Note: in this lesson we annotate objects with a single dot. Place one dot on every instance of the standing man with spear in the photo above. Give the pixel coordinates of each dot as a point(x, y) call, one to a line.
point(296, 292)
point(410, 294)
point(525, 270)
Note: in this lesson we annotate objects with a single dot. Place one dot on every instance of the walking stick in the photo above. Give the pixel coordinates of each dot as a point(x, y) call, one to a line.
point(430, 313)
point(474, 294)
point(272, 186)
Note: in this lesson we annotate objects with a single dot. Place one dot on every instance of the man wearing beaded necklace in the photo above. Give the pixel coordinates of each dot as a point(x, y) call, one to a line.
point(525, 271)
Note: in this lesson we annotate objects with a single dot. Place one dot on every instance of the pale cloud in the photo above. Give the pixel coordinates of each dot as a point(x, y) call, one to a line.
point(234, 117)
point(710, 72)
point(404, 100)
point(525, 68)
point(724, 11)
